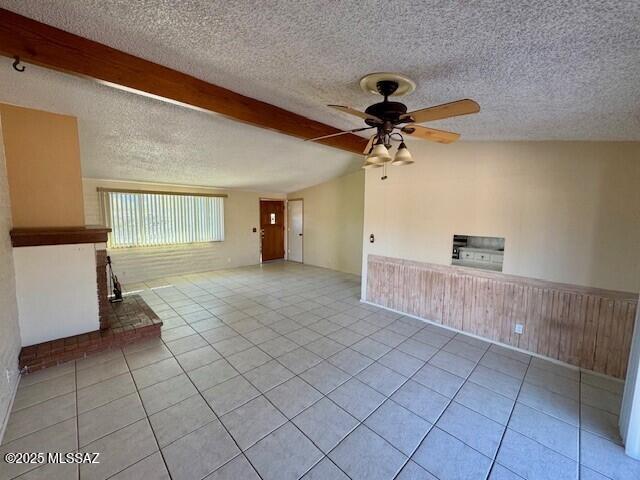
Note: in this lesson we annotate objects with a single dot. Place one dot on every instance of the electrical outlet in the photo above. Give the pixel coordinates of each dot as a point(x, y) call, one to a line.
point(519, 328)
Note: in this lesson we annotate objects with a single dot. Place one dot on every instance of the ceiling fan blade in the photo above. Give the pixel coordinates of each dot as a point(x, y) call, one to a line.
point(446, 110)
point(344, 132)
point(431, 134)
point(367, 149)
point(357, 113)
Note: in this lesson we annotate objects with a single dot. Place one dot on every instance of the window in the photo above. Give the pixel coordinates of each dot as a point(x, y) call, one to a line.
point(140, 219)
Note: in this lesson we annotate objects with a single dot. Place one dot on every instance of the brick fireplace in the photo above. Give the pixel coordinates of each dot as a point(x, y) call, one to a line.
point(103, 288)
point(99, 325)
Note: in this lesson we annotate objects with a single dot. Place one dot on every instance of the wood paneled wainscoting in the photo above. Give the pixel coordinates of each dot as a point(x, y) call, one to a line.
point(586, 327)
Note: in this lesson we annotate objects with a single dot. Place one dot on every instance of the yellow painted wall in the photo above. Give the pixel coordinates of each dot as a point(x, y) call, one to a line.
point(569, 211)
point(43, 167)
point(333, 217)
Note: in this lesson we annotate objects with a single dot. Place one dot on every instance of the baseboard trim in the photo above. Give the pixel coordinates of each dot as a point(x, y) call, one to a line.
point(583, 326)
point(510, 347)
point(5, 422)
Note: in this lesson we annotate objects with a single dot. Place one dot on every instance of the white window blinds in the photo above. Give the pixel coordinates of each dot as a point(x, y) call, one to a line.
point(151, 219)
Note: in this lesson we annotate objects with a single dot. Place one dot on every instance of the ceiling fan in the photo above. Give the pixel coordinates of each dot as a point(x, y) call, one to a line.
point(391, 119)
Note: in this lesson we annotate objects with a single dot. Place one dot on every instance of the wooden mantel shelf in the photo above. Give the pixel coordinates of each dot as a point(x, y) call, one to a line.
point(33, 237)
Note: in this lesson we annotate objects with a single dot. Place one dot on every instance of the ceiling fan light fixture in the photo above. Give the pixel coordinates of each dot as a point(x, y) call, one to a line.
point(367, 165)
point(379, 154)
point(404, 85)
point(403, 156)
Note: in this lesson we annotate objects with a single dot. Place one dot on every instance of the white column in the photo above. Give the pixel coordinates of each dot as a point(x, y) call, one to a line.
point(630, 413)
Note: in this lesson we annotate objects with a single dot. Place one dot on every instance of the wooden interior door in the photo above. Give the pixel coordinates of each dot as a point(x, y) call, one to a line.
point(272, 229)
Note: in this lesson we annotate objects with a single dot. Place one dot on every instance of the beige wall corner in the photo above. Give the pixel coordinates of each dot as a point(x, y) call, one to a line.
point(43, 167)
point(9, 329)
point(333, 218)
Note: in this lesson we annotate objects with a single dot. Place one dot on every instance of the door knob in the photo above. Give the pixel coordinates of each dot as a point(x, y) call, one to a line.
point(299, 234)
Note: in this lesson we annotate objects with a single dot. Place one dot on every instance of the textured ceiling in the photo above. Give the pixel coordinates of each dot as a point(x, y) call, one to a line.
point(126, 136)
point(564, 70)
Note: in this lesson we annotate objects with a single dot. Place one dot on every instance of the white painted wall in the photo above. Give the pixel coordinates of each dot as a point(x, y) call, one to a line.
point(630, 413)
point(56, 291)
point(9, 329)
point(568, 210)
point(240, 247)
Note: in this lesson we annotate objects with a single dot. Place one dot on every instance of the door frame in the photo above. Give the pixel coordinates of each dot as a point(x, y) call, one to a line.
point(287, 220)
point(284, 204)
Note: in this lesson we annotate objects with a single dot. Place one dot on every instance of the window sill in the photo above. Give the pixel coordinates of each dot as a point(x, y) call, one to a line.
point(164, 247)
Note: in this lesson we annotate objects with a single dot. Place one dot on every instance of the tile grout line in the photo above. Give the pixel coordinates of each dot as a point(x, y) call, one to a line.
point(355, 376)
point(134, 463)
point(147, 419)
point(579, 425)
point(506, 427)
point(433, 424)
point(323, 359)
point(75, 373)
point(135, 421)
point(44, 401)
point(515, 401)
point(451, 400)
point(290, 420)
point(359, 422)
point(262, 393)
point(119, 428)
point(36, 467)
point(388, 397)
point(241, 452)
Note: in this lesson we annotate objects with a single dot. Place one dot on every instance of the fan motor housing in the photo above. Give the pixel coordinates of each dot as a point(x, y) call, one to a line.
point(387, 111)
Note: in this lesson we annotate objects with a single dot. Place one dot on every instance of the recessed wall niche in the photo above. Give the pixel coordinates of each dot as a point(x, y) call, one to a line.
point(473, 251)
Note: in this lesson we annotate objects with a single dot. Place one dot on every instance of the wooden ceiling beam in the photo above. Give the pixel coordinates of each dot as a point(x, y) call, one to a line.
point(50, 47)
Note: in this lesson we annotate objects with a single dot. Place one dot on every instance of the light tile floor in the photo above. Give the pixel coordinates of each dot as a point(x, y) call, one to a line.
point(281, 373)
